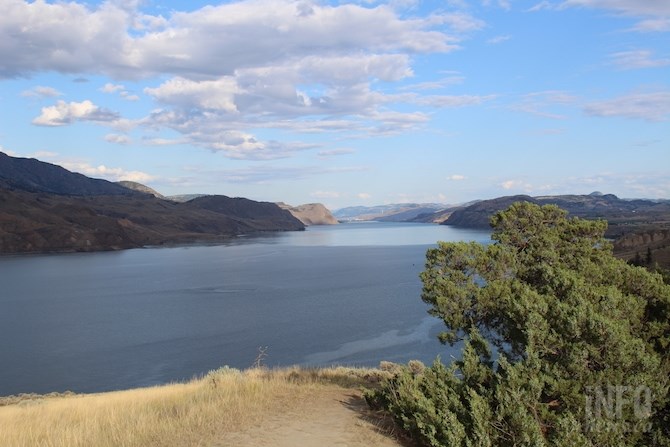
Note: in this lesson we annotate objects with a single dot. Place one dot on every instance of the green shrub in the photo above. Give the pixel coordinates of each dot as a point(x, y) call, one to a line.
point(564, 345)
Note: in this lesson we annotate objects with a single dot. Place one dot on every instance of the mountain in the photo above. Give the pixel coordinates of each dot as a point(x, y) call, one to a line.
point(37, 216)
point(311, 213)
point(140, 187)
point(638, 228)
point(184, 197)
point(623, 216)
point(396, 212)
point(29, 174)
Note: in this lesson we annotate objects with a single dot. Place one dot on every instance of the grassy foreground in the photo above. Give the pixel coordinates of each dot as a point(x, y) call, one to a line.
point(185, 414)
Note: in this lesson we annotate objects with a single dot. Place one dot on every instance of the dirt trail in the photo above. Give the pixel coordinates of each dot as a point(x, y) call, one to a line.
point(332, 417)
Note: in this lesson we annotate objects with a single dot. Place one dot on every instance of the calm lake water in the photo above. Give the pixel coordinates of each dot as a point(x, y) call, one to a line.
point(346, 294)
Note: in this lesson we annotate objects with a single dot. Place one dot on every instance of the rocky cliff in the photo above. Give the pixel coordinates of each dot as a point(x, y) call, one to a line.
point(311, 213)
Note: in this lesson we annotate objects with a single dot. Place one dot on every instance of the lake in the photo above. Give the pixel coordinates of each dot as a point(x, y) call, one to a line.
point(344, 294)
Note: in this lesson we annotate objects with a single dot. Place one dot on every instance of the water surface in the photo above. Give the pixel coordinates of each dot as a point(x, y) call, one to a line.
point(345, 294)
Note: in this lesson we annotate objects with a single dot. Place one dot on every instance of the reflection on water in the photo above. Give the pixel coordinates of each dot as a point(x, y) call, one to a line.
point(346, 294)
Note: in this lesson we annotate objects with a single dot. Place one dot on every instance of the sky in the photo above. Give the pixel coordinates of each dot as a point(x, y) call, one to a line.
point(344, 103)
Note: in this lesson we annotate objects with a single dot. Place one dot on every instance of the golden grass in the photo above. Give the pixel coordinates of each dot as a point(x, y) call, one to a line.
point(182, 414)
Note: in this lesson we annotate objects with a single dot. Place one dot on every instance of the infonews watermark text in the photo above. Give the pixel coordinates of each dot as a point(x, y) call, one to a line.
point(619, 408)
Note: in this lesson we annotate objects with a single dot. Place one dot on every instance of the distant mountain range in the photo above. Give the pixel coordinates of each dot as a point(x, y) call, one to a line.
point(623, 216)
point(46, 208)
point(396, 212)
point(637, 227)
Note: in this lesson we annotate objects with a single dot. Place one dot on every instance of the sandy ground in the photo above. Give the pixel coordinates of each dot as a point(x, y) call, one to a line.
point(332, 417)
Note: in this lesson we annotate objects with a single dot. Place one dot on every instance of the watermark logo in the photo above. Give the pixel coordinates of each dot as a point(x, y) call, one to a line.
point(618, 408)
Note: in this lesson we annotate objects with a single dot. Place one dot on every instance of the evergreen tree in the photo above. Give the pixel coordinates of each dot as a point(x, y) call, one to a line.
point(563, 344)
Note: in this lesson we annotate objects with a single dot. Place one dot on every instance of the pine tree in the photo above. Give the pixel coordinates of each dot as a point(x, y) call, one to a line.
point(563, 344)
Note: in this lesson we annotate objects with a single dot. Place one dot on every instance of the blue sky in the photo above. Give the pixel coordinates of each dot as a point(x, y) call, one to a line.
point(345, 103)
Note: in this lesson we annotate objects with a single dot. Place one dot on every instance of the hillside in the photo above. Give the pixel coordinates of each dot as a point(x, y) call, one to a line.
point(29, 174)
point(140, 188)
point(395, 212)
point(77, 213)
point(311, 213)
point(256, 407)
point(622, 215)
point(635, 226)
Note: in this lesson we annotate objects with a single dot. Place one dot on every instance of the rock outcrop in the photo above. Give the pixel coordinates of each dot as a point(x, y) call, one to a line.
point(311, 213)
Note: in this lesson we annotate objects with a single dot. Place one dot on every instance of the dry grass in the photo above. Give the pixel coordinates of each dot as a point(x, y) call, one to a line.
point(184, 414)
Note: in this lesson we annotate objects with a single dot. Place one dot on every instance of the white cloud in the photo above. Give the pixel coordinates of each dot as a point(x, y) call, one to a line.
point(454, 100)
point(364, 195)
point(187, 94)
point(518, 185)
point(632, 184)
point(41, 92)
point(545, 104)
point(102, 171)
point(456, 177)
point(628, 7)
point(544, 4)
point(129, 96)
point(435, 85)
point(117, 138)
point(44, 154)
point(120, 89)
point(653, 106)
point(655, 13)
point(266, 173)
point(498, 39)
point(653, 25)
point(629, 60)
point(232, 68)
point(120, 41)
point(112, 88)
point(462, 22)
point(64, 113)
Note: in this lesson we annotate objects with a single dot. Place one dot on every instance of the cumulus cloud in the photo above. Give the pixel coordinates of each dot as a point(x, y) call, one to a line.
point(364, 195)
point(653, 106)
point(184, 93)
point(120, 89)
point(41, 92)
point(117, 40)
point(232, 68)
point(102, 171)
point(112, 88)
point(516, 184)
point(64, 113)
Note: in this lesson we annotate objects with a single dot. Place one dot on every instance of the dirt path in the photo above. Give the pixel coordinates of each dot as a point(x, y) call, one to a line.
point(333, 417)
